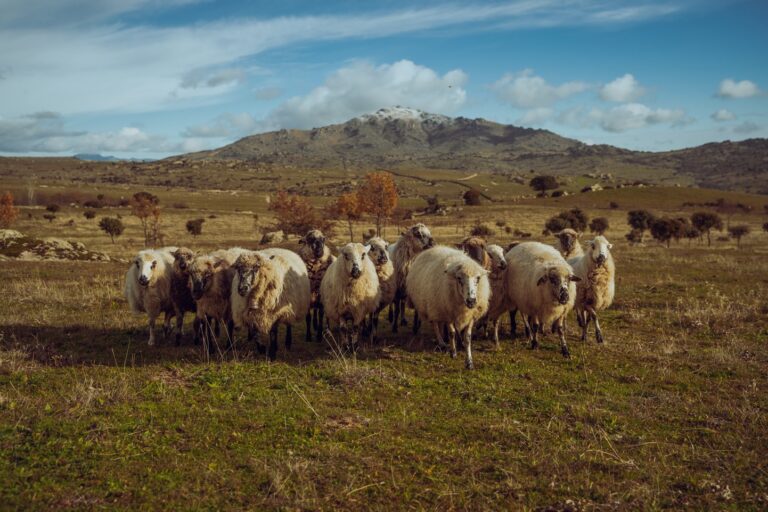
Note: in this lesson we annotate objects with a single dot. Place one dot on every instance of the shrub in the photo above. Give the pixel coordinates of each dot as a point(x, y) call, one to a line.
point(543, 183)
point(599, 225)
point(574, 218)
point(89, 214)
point(180, 206)
point(93, 203)
point(634, 237)
point(483, 230)
point(738, 232)
point(705, 222)
point(49, 217)
point(472, 197)
point(640, 220)
point(663, 230)
point(112, 226)
point(53, 208)
point(613, 205)
point(8, 212)
point(195, 227)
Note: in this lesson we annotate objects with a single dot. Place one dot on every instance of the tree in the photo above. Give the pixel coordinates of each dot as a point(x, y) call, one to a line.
point(640, 220)
point(679, 227)
point(738, 232)
point(634, 237)
point(599, 225)
point(111, 226)
point(765, 227)
point(378, 197)
point(691, 233)
point(574, 218)
point(663, 230)
point(706, 222)
point(543, 183)
point(8, 212)
point(50, 217)
point(730, 209)
point(347, 207)
point(195, 227)
point(89, 214)
point(53, 208)
point(295, 214)
point(146, 207)
point(471, 197)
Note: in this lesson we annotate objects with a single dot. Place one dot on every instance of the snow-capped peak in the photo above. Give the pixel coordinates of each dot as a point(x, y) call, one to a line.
point(405, 113)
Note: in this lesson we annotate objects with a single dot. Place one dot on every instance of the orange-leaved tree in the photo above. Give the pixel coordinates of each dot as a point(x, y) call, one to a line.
point(347, 207)
point(146, 207)
point(295, 214)
point(378, 196)
point(8, 212)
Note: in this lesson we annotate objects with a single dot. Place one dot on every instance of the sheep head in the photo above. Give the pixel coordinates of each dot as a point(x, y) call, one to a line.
point(146, 262)
point(467, 280)
point(420, 235)
point(378, 250)
point(599, 249)
point(315, 240)
point(558, 279)
point(182, 258)
point(353, 254)
point(247, 267)
point(496, 254)
point(568, 238)
point(201, 272)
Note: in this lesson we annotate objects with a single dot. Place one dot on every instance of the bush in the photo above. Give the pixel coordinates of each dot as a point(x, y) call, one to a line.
point(543, 183)
point(575, 218)
point(195, 227)
point(111, 226)
point(49, 217)
point(472, 197)
point(93, 203)
point(613, 205)
point(180, 206)
point(89, 214)
point(705, 222)
point(8, 212)
point(634, 237)
point(482, 230)
point(53, 208)
point(738, 232)
point(599, 225)
point(663, 229)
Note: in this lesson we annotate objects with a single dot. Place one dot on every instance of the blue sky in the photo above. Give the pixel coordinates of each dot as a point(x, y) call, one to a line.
point(151, 78)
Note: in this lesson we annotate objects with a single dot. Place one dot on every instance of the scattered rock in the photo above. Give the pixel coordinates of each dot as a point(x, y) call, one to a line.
point(273, 237)
point(16, 245)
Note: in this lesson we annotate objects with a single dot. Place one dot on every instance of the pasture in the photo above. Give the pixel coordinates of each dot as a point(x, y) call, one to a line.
point(671, 412)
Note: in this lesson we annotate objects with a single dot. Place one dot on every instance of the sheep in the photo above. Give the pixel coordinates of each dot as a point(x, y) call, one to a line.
point(448, 288)
point(596, 289)
point(568, 243)
point(385, 271)
point(413, 241)
point(269, 288)
point(180, 293)
point(499, 302)
point(148, 287)
point(475, 248)
point(210, 281)
point(317, 257)
point(350, 291)
point(542, 286)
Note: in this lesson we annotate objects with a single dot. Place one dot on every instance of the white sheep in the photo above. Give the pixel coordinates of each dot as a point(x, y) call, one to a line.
point(350, 291)
point(568, 243)
point(413, 241)
point(448, 288)
point(269, 288)
point(385, 271)
point(597, 287)
point(542, 286)
point(317, 257)
point(210, 282)
point(148, 287)
point(499, 301)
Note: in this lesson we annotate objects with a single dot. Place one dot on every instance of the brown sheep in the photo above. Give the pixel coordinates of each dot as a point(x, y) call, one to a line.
point(317, 257)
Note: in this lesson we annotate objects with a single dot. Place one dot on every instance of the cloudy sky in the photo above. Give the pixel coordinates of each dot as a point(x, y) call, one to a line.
point(151, 78)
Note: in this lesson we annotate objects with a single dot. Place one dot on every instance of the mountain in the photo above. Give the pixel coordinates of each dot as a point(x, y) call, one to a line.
point(409, 139)
point(89, 157)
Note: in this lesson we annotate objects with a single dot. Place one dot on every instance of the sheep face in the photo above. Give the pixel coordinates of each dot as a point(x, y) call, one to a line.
point(558, 280)
point(247, 268)
point(201, 273)
point(567, 238)
point(497, 257)
point(353, 255)
point(182, 259)
point(599, 249)
point(466, 283)
point(315, 240)
point(475, 248)
point(146, 263)
point(420, 233)
point(378, 251)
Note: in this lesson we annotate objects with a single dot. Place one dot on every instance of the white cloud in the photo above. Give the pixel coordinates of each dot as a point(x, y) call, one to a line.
point(527, 90)
point(723, 115)
point(746, 127)
point(268, 93)
point(202, 78)
point(363, 87)
point(635, 115)
point(623, 89)
point(744, 89)
point(226, 126)
point(536, 116)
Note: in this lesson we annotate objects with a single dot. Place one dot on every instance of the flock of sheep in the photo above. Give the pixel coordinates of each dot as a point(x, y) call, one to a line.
point(455, 289)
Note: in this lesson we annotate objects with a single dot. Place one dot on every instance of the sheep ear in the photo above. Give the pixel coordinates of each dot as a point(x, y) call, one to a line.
point(610, 246)
point(542, 280)
point(574, 278)
point(218, 263)
point(272, 257)
point(366, 248)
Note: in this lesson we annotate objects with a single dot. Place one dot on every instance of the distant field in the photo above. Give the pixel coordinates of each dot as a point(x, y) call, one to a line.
point(670, 413)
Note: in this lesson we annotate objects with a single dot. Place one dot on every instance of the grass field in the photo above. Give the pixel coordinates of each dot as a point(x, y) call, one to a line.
point(671, 413)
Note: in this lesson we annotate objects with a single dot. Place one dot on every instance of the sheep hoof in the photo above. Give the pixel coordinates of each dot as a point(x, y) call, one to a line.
point(599, 336)
point(534, 345)
point(178, 339)
point(469, 365)
point(566, 353)
point(151, 342)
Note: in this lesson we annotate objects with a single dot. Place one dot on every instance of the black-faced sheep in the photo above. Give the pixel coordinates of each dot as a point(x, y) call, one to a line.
point(568, 243)
point(385, 271)
point(447, 287)
point(270, 287)
point(499, 301)
point(148, 287)
point(350, 291)
point(542, 286)
point(317, 257)
point(596, 289)
point(411, 243)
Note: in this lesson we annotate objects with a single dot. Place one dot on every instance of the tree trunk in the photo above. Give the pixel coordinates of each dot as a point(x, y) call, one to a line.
point(351, 235)
point(709, 239)
point(378, 225)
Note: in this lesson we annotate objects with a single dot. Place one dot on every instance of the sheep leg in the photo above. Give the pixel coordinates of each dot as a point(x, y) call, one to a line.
point(308, 332)
point(196, 326)
point(396, 315)
point(563, 345)
point(167, 325)
point(152, 320)
point(288, 337)
point(416, 323)
point(580, 318)
point(598, 331)
point(319, 328)
point(213, 334)
point(403, 320)
point(353, 335)
point(468, 343)
point(179, 326)
point(438, 335)
point(531, 331)
point(512, 323)
point(583, 317)
point(272, 343)
point(253, 335)
point(390, 313)
point(230, 332)
point(495, 324)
